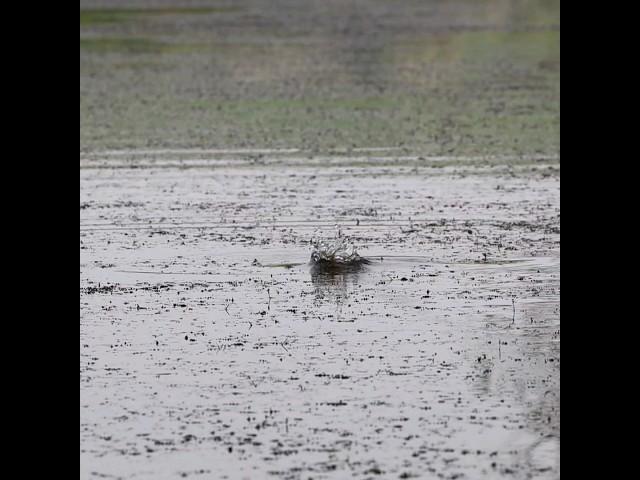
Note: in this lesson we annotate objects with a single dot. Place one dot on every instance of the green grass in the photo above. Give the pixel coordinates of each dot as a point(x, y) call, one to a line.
point(135, 45)
point(452, 92)
point(90, 17)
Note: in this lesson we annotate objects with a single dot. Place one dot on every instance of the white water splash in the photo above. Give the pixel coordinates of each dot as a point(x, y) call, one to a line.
point(337, 251)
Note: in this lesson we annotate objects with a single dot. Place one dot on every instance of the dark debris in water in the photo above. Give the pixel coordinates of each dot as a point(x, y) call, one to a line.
point(188, 345)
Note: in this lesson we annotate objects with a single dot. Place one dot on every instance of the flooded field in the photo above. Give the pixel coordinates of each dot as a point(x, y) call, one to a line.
point(210, 348)
point(219, 139)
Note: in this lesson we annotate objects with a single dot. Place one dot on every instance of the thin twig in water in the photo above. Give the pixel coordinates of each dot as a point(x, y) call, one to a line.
point(269, 305)
point(226, 309)
point(513, 302)
point(251, 380)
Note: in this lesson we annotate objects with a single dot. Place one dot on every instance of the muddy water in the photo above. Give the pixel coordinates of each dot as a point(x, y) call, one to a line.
point(209, 348)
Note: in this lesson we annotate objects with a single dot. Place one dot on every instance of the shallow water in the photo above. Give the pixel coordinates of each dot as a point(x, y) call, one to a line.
point(210, 348)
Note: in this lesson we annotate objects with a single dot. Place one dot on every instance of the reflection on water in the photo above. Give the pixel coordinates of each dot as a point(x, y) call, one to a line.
point(334, 283)
point(537, 393)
